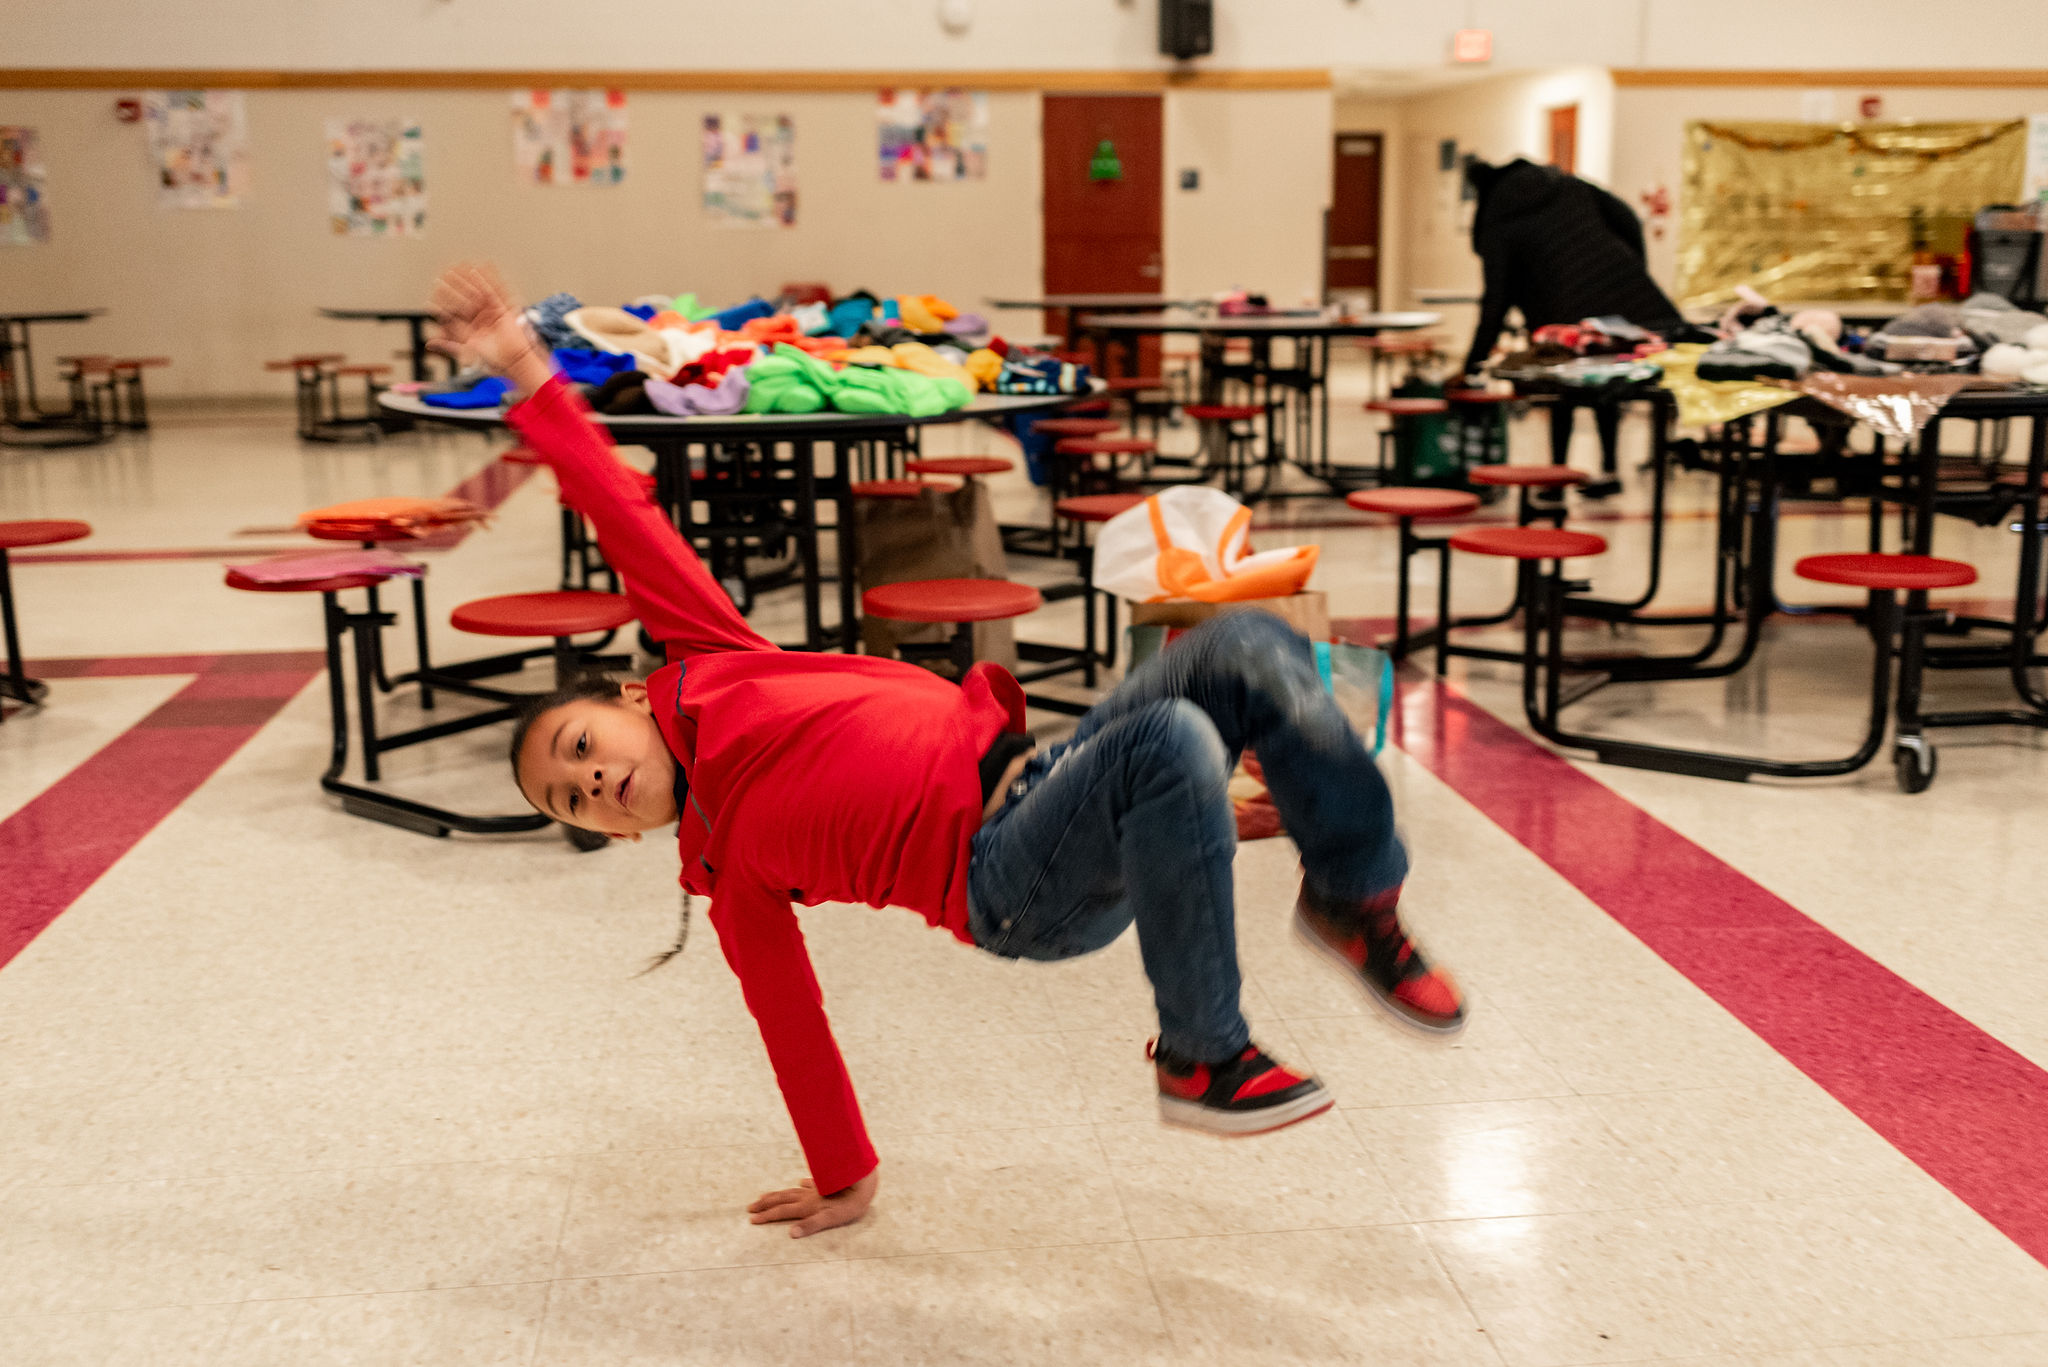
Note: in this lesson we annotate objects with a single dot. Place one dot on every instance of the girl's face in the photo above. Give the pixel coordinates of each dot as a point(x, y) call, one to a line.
point(600, 764)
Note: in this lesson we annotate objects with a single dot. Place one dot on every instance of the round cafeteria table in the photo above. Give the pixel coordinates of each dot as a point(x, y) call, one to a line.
point(745, 468)
point(416, 321)
point(1067, 306)
point(1302, 385)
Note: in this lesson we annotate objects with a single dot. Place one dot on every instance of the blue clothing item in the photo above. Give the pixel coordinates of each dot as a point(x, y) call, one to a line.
point(489, 393)
point(581, 365)
point(641, 311)
point(849, 313)
point(731, 319)
point(1037, 445)
point(1130, 821)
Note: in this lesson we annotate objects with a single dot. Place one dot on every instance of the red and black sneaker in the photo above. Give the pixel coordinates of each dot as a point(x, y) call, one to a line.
point(1250, 1094)
point(1366, 940)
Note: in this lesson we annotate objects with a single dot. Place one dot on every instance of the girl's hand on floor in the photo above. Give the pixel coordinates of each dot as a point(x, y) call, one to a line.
point(811, 1211)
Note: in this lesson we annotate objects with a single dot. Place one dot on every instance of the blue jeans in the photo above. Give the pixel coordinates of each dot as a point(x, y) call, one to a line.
point(1130, 821)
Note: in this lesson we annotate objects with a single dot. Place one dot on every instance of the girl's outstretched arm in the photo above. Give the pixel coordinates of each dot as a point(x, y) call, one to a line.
point(678, 601)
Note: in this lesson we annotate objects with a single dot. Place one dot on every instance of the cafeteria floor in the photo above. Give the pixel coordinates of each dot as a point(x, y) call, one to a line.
point(1754, 1075)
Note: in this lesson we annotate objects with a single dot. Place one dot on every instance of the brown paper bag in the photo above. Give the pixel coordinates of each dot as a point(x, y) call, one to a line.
point(937, 535)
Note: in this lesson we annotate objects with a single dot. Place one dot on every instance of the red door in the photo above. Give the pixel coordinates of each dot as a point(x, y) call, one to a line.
point(1351, 256)
point(1102, 235)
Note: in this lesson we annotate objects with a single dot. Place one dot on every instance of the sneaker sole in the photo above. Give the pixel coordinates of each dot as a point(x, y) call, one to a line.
point(1194, 1115)
point(1371, 994)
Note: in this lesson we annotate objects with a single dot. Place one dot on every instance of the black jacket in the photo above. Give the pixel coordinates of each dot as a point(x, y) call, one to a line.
point(1559, 249)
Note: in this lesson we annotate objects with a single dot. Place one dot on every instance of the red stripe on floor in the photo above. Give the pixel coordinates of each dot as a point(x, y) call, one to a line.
point(1970, 1111)
point(76, 829)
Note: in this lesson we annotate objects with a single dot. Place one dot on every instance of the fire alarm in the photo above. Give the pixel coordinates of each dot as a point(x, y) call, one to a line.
point(1872, 106)
point(127, 111)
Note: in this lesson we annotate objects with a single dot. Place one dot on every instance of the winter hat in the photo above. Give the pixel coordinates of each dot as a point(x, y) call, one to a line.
point(546, 318)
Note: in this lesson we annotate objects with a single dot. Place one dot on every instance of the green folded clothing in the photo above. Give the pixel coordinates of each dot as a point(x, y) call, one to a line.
point(794, 381)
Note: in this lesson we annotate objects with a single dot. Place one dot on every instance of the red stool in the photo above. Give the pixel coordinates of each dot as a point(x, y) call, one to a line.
point(1409, 506)
point(1227, 433)
point(1530, 483)
point(1540, 593)
point(1076, 427)
point(960, 602)
point(966, 467)
point(87, 377)
point(124, 391)
point(330, 574)
point(1894, 631)
point(314, 384)
point(15, 536)
point(1084, 511)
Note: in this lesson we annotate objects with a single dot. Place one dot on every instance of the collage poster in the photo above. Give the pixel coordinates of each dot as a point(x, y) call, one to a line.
point(24, 214)
point(376, 178)
point(569, 137)
point(933, 134)
point(198, 147)
point(750, 170)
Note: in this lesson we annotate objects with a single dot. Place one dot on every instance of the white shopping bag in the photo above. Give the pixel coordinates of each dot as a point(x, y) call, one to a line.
point(1191, 542)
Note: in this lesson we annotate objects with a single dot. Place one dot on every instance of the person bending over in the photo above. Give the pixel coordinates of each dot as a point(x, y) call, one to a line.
point(809, 778)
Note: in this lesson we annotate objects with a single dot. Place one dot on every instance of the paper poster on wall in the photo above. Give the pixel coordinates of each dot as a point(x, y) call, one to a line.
point(198, 146)
point(933, 134)
point(750, 170)
point(2035, 187)
point(24, 213)
point(569, 137)
point(376, 178)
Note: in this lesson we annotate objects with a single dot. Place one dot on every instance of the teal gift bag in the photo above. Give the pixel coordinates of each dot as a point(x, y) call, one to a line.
point(1361, 679)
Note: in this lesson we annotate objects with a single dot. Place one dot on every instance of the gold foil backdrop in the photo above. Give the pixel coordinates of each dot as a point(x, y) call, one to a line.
point(1831, 212)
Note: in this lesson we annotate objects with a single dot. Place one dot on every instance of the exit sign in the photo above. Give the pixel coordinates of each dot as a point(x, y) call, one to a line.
point(1472, 45)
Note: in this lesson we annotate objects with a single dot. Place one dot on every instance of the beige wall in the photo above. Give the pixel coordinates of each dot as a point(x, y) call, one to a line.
point(1256, 222)
point(795, 34)
point(222, 291)
point(1650, 129)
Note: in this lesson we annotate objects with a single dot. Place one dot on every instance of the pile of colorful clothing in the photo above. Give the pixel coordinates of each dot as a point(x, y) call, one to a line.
point(912, 354)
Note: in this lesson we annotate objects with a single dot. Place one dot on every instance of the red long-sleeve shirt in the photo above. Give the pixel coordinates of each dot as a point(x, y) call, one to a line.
point(812, 778)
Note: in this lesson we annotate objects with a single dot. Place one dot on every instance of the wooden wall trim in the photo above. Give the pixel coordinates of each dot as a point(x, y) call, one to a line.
point(1983, 79)
point(88, 78)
